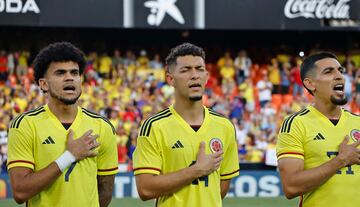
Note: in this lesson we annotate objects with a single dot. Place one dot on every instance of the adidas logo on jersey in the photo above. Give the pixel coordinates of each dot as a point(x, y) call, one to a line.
point(319, 137)
point(177, 145)
point(48, 140)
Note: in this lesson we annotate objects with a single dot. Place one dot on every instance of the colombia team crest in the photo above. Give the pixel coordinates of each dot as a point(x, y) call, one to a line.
point(216, 145)
point(355, 134)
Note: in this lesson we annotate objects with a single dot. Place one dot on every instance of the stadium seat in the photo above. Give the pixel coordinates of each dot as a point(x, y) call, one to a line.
point(288, 99)
point(276, 101)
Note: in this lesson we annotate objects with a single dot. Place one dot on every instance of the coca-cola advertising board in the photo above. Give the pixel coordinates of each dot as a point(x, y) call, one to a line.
point(317, 9)
point(283, 14)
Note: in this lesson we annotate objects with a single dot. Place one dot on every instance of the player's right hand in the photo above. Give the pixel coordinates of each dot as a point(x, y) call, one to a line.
point(207, 163)
point(349, 154)
point(84, 146)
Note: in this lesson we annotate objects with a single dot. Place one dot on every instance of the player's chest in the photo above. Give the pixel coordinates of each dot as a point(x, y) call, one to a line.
point(182, 146)
point(49, 139)
point(322, 141)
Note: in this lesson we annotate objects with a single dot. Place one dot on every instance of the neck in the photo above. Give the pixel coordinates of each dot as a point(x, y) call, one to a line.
point(191, 111)
point(65, 113)
point(329, 110)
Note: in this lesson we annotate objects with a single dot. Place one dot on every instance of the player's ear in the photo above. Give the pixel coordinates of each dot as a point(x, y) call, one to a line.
point(170, 76)
point(43, 84)
point(309, 84)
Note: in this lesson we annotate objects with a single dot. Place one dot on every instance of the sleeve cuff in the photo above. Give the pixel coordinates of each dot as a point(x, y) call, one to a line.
point(20, 163)
point(146, 170)
point(290, 154)
point(230, 175)
point(109, 171)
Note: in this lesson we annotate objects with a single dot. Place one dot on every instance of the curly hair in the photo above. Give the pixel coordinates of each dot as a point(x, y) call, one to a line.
point(57, 52)
point(183, 50)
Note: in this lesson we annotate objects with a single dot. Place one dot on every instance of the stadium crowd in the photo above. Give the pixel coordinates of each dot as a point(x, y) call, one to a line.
point(129, 88)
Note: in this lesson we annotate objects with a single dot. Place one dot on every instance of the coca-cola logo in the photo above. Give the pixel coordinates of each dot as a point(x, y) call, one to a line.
point(320, 9)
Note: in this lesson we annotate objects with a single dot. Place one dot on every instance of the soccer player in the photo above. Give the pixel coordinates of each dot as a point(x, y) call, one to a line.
point(61, 154)
point(317, 149)
point(186, 154)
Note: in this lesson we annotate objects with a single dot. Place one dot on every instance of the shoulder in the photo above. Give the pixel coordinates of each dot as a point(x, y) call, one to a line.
point(29, 115)
point(351, 114)
point(220, 118)
point(293, 119)
point(157, 118)
point(96, 116)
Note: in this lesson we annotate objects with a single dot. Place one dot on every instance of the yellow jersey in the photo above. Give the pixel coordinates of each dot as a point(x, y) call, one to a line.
point(312, 137)
point(37, 138)
point(167, 143)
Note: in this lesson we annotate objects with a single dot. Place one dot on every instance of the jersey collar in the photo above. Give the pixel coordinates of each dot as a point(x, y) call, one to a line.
point(186, 126)
point(57, 122)
point(326, 119)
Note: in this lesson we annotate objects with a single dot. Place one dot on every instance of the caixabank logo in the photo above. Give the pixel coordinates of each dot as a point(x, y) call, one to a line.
point(19, 6)
point(159, 9)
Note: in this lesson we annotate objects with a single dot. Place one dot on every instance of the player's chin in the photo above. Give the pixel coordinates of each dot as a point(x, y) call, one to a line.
point(195, 97)
point(70, 100)
point(339, 100)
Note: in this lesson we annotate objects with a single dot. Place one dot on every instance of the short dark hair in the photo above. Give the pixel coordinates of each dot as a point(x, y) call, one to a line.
point(309, 64)
point(57, 52)
point(183, 50)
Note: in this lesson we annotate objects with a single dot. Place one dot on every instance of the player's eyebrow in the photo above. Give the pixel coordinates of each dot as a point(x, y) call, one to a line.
point(330, 68)
point(64, 70)
point(193, 66)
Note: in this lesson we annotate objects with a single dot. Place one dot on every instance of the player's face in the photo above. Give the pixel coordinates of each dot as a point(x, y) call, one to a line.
point(189, 77)
point(329, 81)
point(62, 81)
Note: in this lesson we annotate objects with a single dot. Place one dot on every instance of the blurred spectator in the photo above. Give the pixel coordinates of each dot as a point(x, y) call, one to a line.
point(3, 66)
point(11, 63)
point(131, 145)
point(349, 77)
point(247, 91)
point(274, 76)
point(122, 139)
point(236, 109)
point(22, 63)
point(105, 65)
point(242, 65)
point(270, 153)
point(227, 71)
point(225, 59)
point(117, 60)
point(264, 86)
point(143, 60)
point(296, 79)
point(254, 154)
point(130, 59)
point(285, 78)
point(348, 82)
point(156, 62)
point(241, 132)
